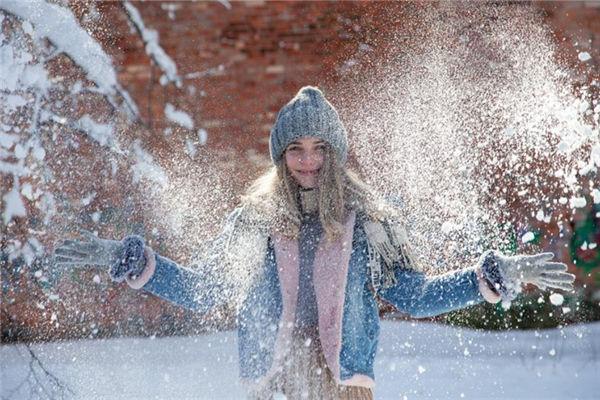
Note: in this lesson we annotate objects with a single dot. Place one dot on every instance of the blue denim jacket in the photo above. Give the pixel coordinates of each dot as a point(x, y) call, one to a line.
point(258, 317)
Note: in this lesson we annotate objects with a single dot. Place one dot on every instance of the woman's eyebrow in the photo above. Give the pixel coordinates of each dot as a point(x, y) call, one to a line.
point(299, 144)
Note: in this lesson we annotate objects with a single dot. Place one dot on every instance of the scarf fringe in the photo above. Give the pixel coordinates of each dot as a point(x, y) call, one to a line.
point(387, 244)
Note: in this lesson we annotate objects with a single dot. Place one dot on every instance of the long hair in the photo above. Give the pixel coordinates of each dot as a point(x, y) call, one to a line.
point(275, 195)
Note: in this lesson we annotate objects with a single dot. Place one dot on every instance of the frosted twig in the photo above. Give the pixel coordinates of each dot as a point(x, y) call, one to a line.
point(153, 49)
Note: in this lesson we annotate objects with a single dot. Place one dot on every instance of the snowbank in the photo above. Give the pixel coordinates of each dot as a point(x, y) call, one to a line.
point(415, 361)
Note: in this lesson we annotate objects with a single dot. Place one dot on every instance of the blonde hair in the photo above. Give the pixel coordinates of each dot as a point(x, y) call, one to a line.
point(275, 196)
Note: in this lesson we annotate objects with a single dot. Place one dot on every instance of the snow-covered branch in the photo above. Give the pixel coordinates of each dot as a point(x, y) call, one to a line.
point(61, 28)
point(154, 50)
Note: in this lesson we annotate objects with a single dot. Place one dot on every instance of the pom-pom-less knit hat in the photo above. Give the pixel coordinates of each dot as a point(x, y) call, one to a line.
point(308, 114)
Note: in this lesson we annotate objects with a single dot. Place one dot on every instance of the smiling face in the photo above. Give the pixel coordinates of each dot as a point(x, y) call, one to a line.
point(304, 158)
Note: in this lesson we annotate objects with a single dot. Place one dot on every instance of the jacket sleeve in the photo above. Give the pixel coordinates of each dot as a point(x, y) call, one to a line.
point(425, 296)
point(199, 288)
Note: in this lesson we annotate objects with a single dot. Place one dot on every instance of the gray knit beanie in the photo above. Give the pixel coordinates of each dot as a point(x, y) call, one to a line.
point(308, 114)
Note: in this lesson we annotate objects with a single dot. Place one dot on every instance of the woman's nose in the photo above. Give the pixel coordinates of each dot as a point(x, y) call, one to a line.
point(308, 158)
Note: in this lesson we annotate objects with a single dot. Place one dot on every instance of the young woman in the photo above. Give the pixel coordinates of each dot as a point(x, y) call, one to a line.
point(303, 259)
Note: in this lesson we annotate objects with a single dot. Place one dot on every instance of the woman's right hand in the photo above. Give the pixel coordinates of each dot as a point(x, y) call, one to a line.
point(122, 257)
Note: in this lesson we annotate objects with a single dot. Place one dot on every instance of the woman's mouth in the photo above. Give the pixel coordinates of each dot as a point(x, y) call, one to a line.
point(309, 173)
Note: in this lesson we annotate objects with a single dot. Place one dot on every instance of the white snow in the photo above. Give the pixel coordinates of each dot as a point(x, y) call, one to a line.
point(153, 49)
point(419, 360)
point(13, 101)
point(179, 117)
point(557, 299)
point(13, 169)
point(85, 201)
point(61, 27)
point(13, 205)
point(95, 216)
point(27, 251)
point(449, 227)
point(20, 151)
point(584, 56)
point(146, 168)
point(578, 202)
point(539, 215)
point(27, 191)
point(509, 131)
point(225, 3)
point(7, 140)
point(190, 148)
point(595, 155)
point(171, 8)
point(101, 133)
point(38, 151)
point(527, 237)
point(202, 136)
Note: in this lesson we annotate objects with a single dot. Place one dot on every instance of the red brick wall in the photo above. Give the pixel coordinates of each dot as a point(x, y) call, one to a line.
point(268, 50)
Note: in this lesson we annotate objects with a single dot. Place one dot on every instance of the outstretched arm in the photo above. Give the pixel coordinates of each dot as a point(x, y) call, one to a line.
point(495, 277)
point(130, 260)
point(421, 296)
point(197, 290)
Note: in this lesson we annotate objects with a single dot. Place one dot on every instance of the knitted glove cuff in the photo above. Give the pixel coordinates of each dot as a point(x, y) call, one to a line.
point(494, 275)
point(130, 259)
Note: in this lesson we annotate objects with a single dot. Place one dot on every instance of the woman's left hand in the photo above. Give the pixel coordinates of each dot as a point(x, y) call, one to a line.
point(508, 273)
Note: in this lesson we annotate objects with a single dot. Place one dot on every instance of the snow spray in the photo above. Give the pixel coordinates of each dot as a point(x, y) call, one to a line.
point(472, 126)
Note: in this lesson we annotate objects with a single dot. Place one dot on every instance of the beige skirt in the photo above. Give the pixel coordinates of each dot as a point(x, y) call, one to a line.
point(305, 375)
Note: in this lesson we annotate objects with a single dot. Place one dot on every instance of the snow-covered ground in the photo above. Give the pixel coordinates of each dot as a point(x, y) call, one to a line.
point(416, 361)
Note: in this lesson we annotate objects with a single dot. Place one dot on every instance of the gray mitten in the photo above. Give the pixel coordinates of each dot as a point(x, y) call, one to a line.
point(124, 258)
point(508, 273)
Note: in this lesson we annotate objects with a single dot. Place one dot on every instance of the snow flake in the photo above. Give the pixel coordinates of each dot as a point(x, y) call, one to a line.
point(202, 136)
point(13, 205)
point(146, 168)
point(577, 202)
point(584, 56)
point(95, 216)
point(7, 140)
point(539, 215)
point(179, 117)
point(527, 237)
point(101, 133)
point(88, 199)
point(448, 227)
point(556, 299)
